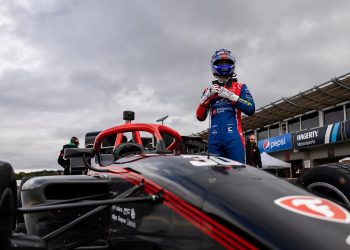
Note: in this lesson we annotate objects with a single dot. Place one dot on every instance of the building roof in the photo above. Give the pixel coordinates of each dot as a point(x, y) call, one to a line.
point(328, 94)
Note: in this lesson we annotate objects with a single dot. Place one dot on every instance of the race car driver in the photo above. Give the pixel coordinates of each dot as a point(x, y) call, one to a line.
point(226, 98)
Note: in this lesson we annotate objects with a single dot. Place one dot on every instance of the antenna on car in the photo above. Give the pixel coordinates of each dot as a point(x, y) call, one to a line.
point(162, 119)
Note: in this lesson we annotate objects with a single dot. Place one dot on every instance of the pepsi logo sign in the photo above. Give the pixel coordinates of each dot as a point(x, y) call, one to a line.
point(266, 144)
point(314, 207)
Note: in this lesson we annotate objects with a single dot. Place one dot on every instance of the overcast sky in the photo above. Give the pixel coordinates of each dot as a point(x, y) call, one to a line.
point(68, 67)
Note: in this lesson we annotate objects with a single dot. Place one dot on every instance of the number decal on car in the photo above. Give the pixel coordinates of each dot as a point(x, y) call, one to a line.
point(202, 160)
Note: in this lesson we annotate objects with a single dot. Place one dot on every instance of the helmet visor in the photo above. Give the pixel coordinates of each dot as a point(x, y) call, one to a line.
point(223, 62)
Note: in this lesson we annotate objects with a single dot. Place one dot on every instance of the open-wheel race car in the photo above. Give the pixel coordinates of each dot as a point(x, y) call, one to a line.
point(152, 197)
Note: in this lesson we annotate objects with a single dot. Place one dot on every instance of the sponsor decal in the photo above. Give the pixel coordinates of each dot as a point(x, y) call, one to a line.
point(221, 106)
point(318, 136)
point(315, 207)
point(223, 109)
point(307, 135)
point(202, 160)
point(277, 143)
point(133, 214)
point(124, 215)
point(266, 145)
point(347, 240)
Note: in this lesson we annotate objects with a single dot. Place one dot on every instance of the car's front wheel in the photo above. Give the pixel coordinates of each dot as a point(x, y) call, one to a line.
point(8, 202)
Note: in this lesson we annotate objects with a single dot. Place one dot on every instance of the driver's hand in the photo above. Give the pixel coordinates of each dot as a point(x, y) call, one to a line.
point(215, 88)
point(225, 93)
point(209, 94)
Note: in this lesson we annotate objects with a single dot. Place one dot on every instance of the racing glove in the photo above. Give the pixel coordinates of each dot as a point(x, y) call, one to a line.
point(209, 94)
point(225, 93)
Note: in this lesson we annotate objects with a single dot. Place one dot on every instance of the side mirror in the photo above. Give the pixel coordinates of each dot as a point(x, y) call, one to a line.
point(79, 159)
point(78, 152)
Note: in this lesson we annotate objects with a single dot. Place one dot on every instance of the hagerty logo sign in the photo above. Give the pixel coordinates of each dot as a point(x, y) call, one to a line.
point(306, 139)
point(307, 135)
point(318, 136)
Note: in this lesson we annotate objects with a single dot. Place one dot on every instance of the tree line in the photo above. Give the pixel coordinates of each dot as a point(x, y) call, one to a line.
point(20, 175)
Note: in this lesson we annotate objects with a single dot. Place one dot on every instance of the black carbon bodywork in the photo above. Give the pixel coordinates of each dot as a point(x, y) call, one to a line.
point(238, 198)
point(242, 197)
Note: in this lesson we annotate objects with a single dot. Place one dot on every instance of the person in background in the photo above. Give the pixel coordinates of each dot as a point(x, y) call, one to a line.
point(226, 98)
point(74, 143)
point(252, 151)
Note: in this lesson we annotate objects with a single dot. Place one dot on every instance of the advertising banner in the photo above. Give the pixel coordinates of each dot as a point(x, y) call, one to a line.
point(277, 143)
point(347, 129)
point(317, 136)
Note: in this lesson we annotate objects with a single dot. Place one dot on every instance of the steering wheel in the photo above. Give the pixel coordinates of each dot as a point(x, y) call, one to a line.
point(155, 129)
point(128, 148)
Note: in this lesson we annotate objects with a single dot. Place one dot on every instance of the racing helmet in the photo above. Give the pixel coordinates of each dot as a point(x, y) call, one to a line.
point(223, 63)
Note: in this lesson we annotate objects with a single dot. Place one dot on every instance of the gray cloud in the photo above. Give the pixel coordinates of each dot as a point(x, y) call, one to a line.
point(69, 67)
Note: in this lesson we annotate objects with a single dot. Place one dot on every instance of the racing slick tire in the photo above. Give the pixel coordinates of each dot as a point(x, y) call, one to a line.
point(8, 202)
point(331, 181)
